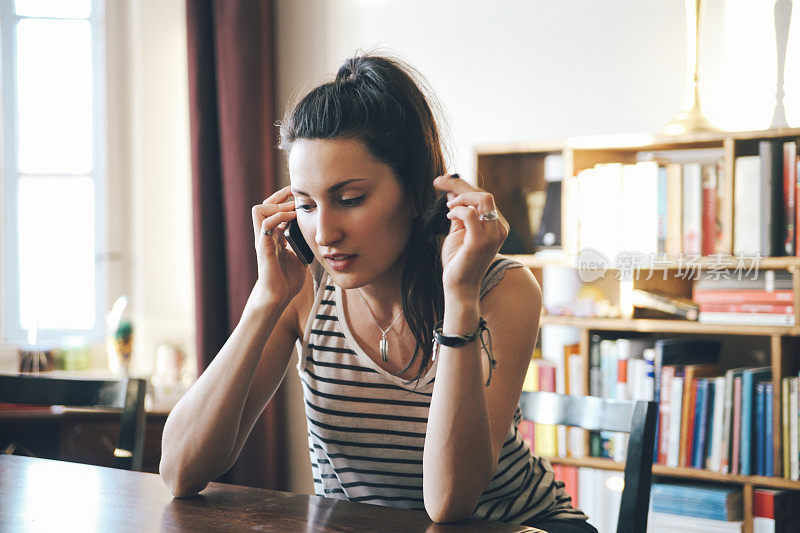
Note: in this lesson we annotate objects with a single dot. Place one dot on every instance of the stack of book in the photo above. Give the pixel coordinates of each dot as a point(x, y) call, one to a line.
point(764, 298)
point(696, 508)
point(669, 207)
point(775, 511)
point(766, 210)
point(721, 423)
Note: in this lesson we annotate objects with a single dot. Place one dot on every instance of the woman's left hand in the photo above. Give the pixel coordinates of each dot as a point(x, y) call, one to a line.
point(477, 230)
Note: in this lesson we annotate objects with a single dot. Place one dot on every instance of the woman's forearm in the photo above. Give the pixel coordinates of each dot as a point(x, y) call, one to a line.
point(201, 431)
point(458, 457)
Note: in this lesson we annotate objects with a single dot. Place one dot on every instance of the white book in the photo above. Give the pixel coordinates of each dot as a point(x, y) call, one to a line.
point(674, 437)
point(726, 424)
point(746, 319)
point(612, 483)
point(670, 523)
point(747, 216)
point(640, 208)
point(576, 436)
point(590, 494)
point(674, 243)
point(763, 525)
point(794, 467)
point(571, 217)
point(715, 459)
point(607, 209)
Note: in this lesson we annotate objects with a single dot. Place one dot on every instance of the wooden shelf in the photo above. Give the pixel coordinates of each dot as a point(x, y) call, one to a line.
point(647, 325)
point(703, 263)
point(681, 472)
point(632, 141)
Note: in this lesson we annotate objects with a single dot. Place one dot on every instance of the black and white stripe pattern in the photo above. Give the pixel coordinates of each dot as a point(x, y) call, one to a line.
point(366, 428)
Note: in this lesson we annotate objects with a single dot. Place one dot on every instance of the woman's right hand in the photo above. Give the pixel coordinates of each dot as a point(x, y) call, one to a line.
point(280, 272)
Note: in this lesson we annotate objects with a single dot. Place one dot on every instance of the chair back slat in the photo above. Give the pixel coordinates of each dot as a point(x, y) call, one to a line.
point(126, 395)
point(637, 418)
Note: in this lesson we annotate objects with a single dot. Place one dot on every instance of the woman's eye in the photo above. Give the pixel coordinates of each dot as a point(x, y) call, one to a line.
point(303, 207)
point(352, 202)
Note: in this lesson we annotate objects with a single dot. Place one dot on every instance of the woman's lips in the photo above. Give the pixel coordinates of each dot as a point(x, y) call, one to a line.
point(340, 262)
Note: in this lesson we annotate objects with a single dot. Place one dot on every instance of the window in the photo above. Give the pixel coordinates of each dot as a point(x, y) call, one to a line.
point(53, 175)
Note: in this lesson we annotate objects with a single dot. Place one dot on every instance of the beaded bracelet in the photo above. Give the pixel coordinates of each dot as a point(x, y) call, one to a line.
point(456, 341)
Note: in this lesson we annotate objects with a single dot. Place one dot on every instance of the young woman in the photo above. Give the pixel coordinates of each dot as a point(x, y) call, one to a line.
point(394, 418)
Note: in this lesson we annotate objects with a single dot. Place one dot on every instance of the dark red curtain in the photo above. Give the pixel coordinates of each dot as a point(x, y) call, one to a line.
point(232, 116)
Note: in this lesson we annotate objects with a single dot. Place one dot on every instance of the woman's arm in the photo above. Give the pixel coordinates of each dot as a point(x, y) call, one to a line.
point(468, 422)
point(207, 428)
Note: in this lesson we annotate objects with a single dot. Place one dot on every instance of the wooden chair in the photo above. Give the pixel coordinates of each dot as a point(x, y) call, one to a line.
point(126, 395)
point(637, 418)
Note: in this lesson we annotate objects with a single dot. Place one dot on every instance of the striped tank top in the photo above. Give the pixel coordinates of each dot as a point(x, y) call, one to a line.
point(366, 427)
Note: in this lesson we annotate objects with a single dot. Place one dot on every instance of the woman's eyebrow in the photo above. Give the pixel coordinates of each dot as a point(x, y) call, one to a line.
point(332, 188)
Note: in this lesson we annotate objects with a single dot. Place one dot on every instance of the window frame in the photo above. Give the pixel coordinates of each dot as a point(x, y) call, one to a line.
point(11, 331)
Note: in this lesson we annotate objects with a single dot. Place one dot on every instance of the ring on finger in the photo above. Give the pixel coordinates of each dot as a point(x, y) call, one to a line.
point(491, 215)
point(268, 232)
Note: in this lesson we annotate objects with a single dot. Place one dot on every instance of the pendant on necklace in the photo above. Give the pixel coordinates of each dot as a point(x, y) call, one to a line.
point(384, 349)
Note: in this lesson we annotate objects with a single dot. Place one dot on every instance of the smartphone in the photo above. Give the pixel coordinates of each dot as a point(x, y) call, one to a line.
point(295, 238)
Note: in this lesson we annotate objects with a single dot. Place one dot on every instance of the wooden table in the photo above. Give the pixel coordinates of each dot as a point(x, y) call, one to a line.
point(46, 495)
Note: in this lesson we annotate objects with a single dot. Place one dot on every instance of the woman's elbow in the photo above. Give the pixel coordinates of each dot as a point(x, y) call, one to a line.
point(444, 510)
point(442, 513)
point(179, 484)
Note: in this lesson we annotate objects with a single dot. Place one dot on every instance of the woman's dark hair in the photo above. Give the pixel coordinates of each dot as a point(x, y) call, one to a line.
point(376, 100)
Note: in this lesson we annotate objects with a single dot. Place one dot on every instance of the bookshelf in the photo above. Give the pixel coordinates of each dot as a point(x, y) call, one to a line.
point(510, 171)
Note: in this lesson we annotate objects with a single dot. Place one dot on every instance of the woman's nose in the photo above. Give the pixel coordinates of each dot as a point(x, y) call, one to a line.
point(329, 230)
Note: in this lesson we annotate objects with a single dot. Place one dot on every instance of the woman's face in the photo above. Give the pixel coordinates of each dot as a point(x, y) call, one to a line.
point(351, 209)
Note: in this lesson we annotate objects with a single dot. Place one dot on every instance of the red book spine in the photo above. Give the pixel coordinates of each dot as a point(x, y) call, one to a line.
point(569, 475)
point(689, 449)
point(742, 296)
point(547, 377)
point(667, 372)
point(789, 194)
point(525, 429)
point(747, 308)
point(764, 503)
point(737, 423)
point(709, 233)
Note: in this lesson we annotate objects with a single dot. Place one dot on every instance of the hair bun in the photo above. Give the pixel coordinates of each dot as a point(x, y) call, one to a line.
point(349, 72)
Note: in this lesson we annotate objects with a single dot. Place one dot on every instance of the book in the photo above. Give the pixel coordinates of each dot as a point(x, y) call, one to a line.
point(678, 307)
point(754, 319)
point(665, 413)
point(670, 523)
point(702, 410)
point(785, 426)
point(748, 215)
point(674, 431)
point(743, 296)
point(777, 309)
point(708, 243)
point(794, 470)
point(768, 280)
point(544, 435)
point(736, 430)
point(769, 450)
point(714, 462)
point(759, 426)
point(789, 196)
point(698, 500)
point(692, 209)
point(750, 377)
point(673, 244)
point(771, 228)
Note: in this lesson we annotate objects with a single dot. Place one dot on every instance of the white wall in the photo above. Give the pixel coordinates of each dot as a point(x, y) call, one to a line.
point(150, 173)
point(537, 69)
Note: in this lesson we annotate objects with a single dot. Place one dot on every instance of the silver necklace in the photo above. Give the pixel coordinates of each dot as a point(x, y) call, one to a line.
point(384, 344)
